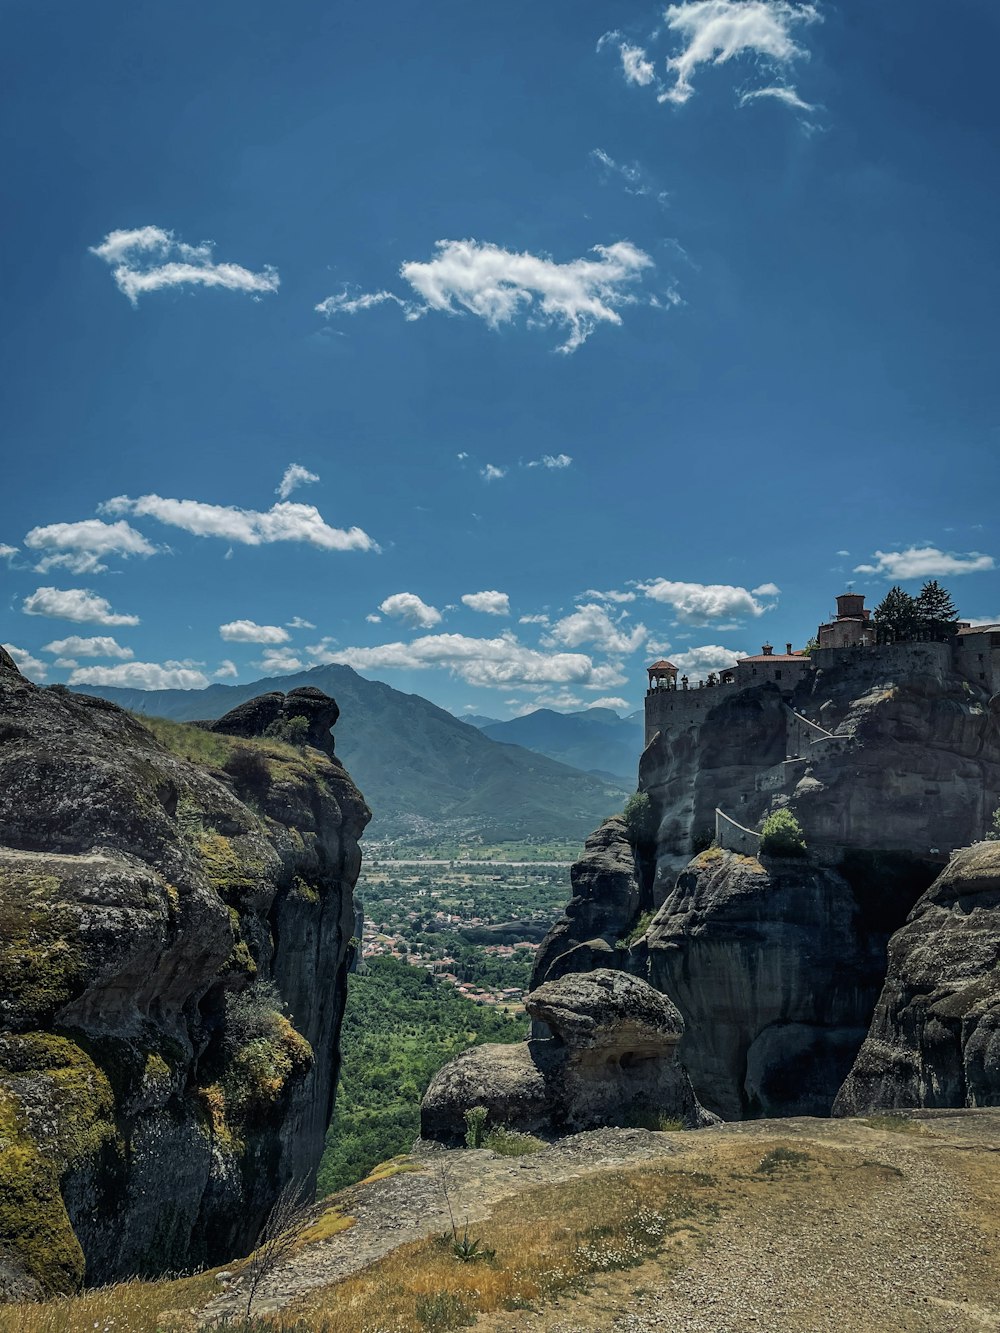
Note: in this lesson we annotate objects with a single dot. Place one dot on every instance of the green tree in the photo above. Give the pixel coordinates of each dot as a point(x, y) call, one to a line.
point(896, 617)
point(638, 814)
point(781, 835)
point(993, 834)
point(936, 614)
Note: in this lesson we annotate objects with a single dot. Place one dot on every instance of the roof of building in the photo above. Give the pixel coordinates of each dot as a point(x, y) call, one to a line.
point(661, 665)
point(992, 628)
point(774, 657)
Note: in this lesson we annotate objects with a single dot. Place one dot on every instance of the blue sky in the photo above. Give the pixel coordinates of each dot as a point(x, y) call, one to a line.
point(694, 305)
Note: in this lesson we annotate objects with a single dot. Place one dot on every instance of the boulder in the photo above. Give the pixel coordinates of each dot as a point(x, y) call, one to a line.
point(935, 1035)
point(610, 1060)
point(273, 715)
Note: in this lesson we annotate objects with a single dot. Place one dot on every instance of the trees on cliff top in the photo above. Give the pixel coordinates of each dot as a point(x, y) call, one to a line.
point(900, 618)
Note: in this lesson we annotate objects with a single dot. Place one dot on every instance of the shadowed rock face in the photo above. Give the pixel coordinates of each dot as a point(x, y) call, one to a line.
point(610, 1059)
point(776, 969)
point(172, 979)
point(935, 1036)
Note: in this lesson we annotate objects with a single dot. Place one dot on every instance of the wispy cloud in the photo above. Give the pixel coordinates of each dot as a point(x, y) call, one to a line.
point(554, 462)
point(248, 631)
point(637, 180)
point(6, 551)
point(76, 604)
point(925, 562)
point(281, 659)
point(708, 657)
point(82, 547)
point(295, 475)
point(714, 32)
point(492, 473)
point(283, 522)
point(489, 603)
point(149, 259)
point(226, 670)
point(717, 31)
point(500, 286)
point(408, 607)
point(297, 622)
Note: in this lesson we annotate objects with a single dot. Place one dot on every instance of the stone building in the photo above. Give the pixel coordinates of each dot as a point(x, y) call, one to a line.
point(783, 669)
point(851, 627)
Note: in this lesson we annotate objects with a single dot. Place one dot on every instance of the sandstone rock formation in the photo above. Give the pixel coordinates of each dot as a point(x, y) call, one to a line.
point(173, 947)
point(935, 1036)
point(609, 1058)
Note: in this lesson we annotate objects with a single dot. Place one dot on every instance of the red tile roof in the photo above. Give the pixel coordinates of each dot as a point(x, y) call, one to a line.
point(774, 657)
point(661, 665)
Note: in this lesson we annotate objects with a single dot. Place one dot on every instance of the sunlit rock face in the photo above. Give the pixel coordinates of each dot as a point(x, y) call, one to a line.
point(609, 1057)
point(174, 941)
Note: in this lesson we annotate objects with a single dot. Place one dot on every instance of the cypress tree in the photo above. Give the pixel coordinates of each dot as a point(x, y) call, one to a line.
point(936, 614)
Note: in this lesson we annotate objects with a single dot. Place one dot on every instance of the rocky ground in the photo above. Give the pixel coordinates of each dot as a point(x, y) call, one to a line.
point(887, 1224)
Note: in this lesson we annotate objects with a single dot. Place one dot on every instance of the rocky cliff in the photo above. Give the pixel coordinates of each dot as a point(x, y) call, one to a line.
point(776, 963)
point(176, 918)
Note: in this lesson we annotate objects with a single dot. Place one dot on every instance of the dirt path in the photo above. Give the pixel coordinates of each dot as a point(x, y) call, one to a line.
point(881, 1230)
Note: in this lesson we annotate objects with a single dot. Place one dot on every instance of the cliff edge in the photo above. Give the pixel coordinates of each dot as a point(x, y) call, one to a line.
point(176, 921)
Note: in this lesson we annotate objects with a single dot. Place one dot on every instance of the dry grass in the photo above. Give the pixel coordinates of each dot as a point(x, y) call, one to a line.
point(127, 1307)
point(894, 1124)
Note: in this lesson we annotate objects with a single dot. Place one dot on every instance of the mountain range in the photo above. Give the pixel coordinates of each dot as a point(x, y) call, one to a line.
point(426, 774)
point(597, 740)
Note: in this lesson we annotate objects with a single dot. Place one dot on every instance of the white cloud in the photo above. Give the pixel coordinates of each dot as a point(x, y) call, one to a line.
point(407, 606)
point(373, 619)
point(698, 662)
point(77, 604)
point(248, 631)
point(283, 522)
point(226, 670)
point(148, 259)
point(659, 645)
point(499, 286)
point(143, 676)
point(28, 666)
point(81, 547)
point(492, 473)
point(592, 624)
point(490, 603)
point(716, 31)
point(345, 304)
point(281, 659)
point(767, 590)
point(612, 595)
point(843, 553)
point(295, 475)
point(781, 94)
point(502, 662)
point(699, 603)
point(540, 619)
point(925, 562)
point(6, 550)
point(102, 645)
point(614, 701)
point(297, 622)
point(636, 67)
point(554, 462)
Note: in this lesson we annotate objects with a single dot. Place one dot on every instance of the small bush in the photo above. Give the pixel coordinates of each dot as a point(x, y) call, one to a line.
point(778, 1158)
point(638, 815)
point(781, 835)
point(637, 931)
point(993, 834)
point(702, 840)
point(509, 1143)
point(653, 1117)
point(291, 730)
point(443, 1311)
point(475, 1126)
